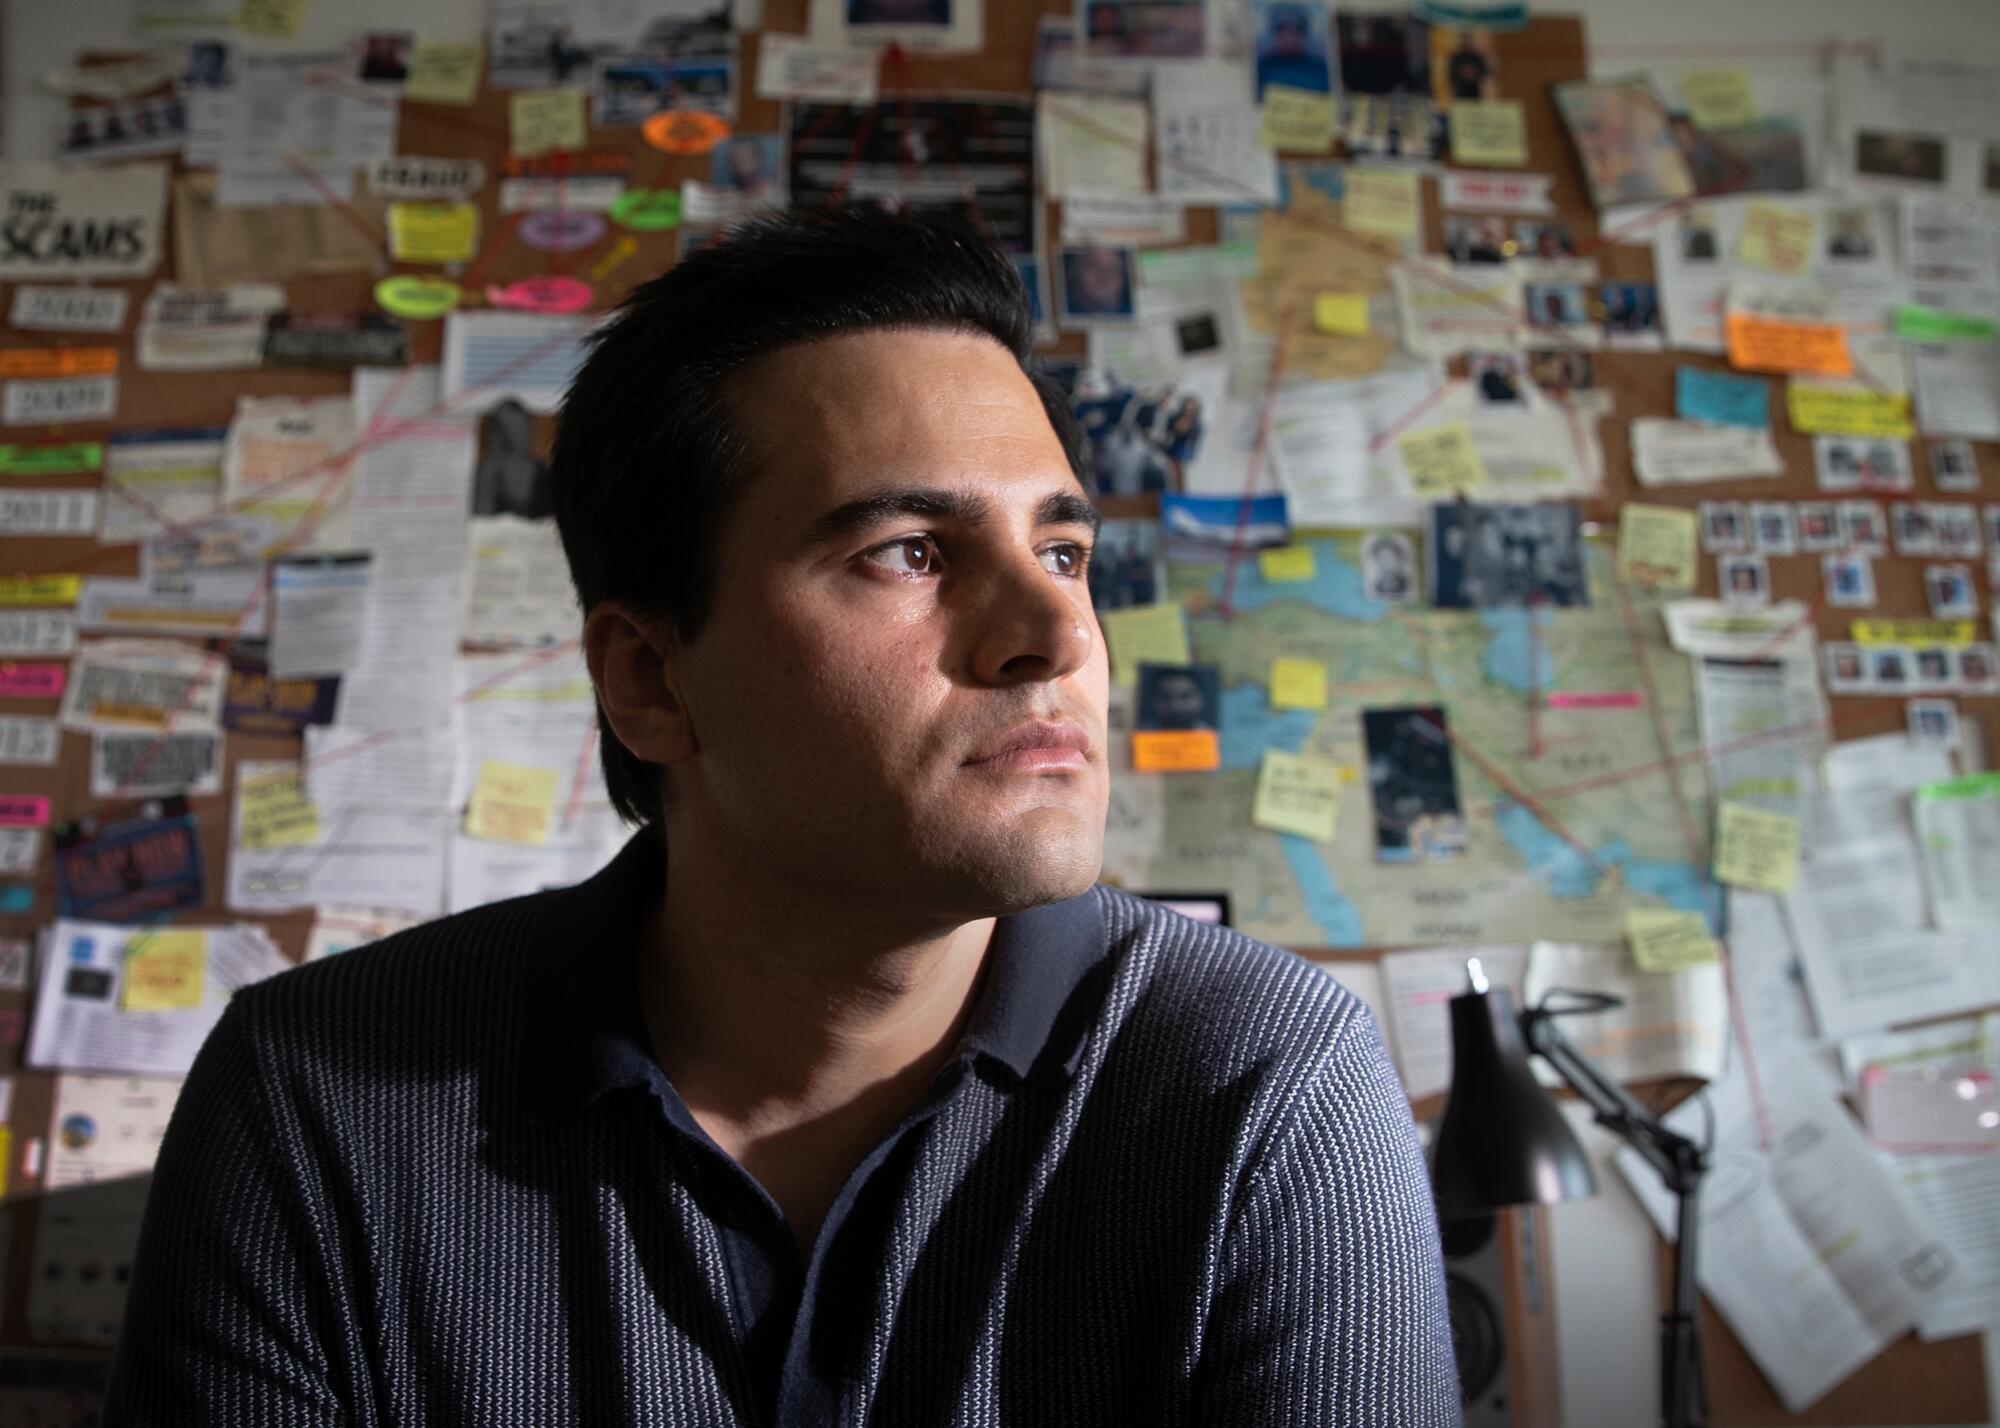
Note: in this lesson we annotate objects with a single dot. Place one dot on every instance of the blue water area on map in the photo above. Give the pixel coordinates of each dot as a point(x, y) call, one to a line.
point(1325, 903)
point(1335, 588)
point(1570, 875)
point(1515, 654)
point(1250, 725)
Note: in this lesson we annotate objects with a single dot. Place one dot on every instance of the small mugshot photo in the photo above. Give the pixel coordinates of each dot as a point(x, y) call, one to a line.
point(1725, 527)
point(1745, 579)
point(1850, 581)
point(1097, 285)
point(1951, 592)
point(1933, 721)
point(1177, 696)
point(1389, 568)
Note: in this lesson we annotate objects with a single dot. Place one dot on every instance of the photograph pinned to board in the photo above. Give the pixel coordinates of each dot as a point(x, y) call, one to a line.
point(1413, 784)
point(939, 27)
point(1492, 557)
point(1621, 133)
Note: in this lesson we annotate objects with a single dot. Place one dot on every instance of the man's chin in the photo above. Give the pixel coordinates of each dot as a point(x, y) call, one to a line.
point(1045, 855)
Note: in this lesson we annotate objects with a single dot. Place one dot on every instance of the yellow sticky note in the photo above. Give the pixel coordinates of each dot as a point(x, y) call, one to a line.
point(1150, 634)
point(1287, 564)
point(512, 803)
point(1777, 238)
point(1341, 314)
point(1176, 750)
point(40, 589)
point(1917, 634)
point(272, 812)
point(1298, 684)
point(545, 121)
point(1383, 202)
point(1756, 849)
point(1297, 794)
point(1839, 411)
point(433, 232)
point(1720, 98)
point(1492, 133)
point(1296, 121)
point(1666, 940)
point(166, 970)
point(1441, 461)
point(442, 73)
point(273, 19)
point(1658, 547)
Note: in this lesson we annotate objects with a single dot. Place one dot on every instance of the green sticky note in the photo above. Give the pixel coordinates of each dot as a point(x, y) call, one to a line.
point(1916, 323)
point(1151, 634)
point(1978, 785)
point(65, 458)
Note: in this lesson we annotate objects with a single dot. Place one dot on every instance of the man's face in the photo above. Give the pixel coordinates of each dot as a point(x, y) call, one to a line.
point(901, 690)
point(1177, 701)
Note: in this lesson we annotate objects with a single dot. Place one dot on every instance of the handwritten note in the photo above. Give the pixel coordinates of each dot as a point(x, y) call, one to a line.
point(1658, 547)
point(1666, 940)
point(1776, 238)
point(1441, 461)
point(1843, 412)
point(1296, 121)
point(1491, 133)
point(1720, 98)
point(1702, 395)
point(433, 232)
point(1176, 750)
point(1297, 794)
point(1150, 634)
point(1341, 314)
point(545, 121)
point(272, 812)
point(1287, 564)
point(512, 803)
point(1383, 202)
point(165, 970)
point(272, 19)
point(1770, 344)
point(1298, 684)
point(442, 73)
point(1756, 849)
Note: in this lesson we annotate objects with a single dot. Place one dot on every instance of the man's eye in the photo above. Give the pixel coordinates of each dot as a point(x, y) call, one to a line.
point(913, 555)
point(1066, 558)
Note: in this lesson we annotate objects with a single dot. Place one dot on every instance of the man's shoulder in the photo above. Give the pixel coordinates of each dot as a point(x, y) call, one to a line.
point(429, 980)
point(1215, 993)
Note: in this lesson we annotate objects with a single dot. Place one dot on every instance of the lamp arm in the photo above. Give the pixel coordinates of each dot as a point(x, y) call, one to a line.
point(1678, 1160)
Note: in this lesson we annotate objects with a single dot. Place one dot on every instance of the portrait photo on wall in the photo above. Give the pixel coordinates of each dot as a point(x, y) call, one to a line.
point(1464, 64)
point(1139, 440)
point(1389, 568)
point(1413, 784)
point(1173, 696)
point(1097, 285)
point(1153, 29)
point(1126, 568)
point(511, 477)
point(1491, 557)
point(1294, 40)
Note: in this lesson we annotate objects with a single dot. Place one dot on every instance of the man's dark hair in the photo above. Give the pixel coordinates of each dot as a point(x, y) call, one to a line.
point(648, 455)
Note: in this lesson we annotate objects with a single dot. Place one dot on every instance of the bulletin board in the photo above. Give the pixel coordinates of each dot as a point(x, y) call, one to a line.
point(1911, 1383)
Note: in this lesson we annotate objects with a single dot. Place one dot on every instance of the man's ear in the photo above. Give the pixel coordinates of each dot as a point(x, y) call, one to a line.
point(633, 661)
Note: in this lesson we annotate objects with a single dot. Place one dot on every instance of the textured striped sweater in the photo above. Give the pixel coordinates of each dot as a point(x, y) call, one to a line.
point(1169, 1177)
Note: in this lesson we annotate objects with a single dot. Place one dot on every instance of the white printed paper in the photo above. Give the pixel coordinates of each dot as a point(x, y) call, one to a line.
point(67, 309)
point(57, 400)
point(28, 741)
point(47, 512)
point(80, 223)
point(1670, 452)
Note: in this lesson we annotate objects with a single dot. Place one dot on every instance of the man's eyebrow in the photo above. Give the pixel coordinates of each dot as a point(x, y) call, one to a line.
point(1068, 508)
point(936, 503)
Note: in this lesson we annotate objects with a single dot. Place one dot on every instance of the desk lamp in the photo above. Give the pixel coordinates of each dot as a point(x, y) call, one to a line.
point(1503, 1142)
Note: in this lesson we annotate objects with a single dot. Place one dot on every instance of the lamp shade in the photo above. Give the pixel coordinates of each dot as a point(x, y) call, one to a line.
point(1502, 1140)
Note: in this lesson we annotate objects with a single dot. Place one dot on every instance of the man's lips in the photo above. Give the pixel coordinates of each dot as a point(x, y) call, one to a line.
point(1036, 745)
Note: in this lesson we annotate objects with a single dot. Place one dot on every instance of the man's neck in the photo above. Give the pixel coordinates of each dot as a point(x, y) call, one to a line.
point(770, 1010)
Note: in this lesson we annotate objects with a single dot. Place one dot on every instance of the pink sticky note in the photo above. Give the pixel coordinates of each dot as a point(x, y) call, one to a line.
point(554, 293)
point(1613, 700)
point(31, 681)
point(23, 810)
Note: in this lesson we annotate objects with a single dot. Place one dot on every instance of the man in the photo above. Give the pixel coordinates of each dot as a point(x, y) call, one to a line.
point(842, 1095)
point(1289, 55)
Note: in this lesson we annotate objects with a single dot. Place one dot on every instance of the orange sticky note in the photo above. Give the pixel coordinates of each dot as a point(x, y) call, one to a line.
point(1769, 344)
point(1176, 750)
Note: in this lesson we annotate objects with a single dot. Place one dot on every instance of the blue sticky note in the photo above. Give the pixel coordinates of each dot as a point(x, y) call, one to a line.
point(1701, 395)
point(17, 898)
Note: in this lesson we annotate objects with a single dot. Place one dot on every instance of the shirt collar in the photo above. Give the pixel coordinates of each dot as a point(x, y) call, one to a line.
point(1031, 1014)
